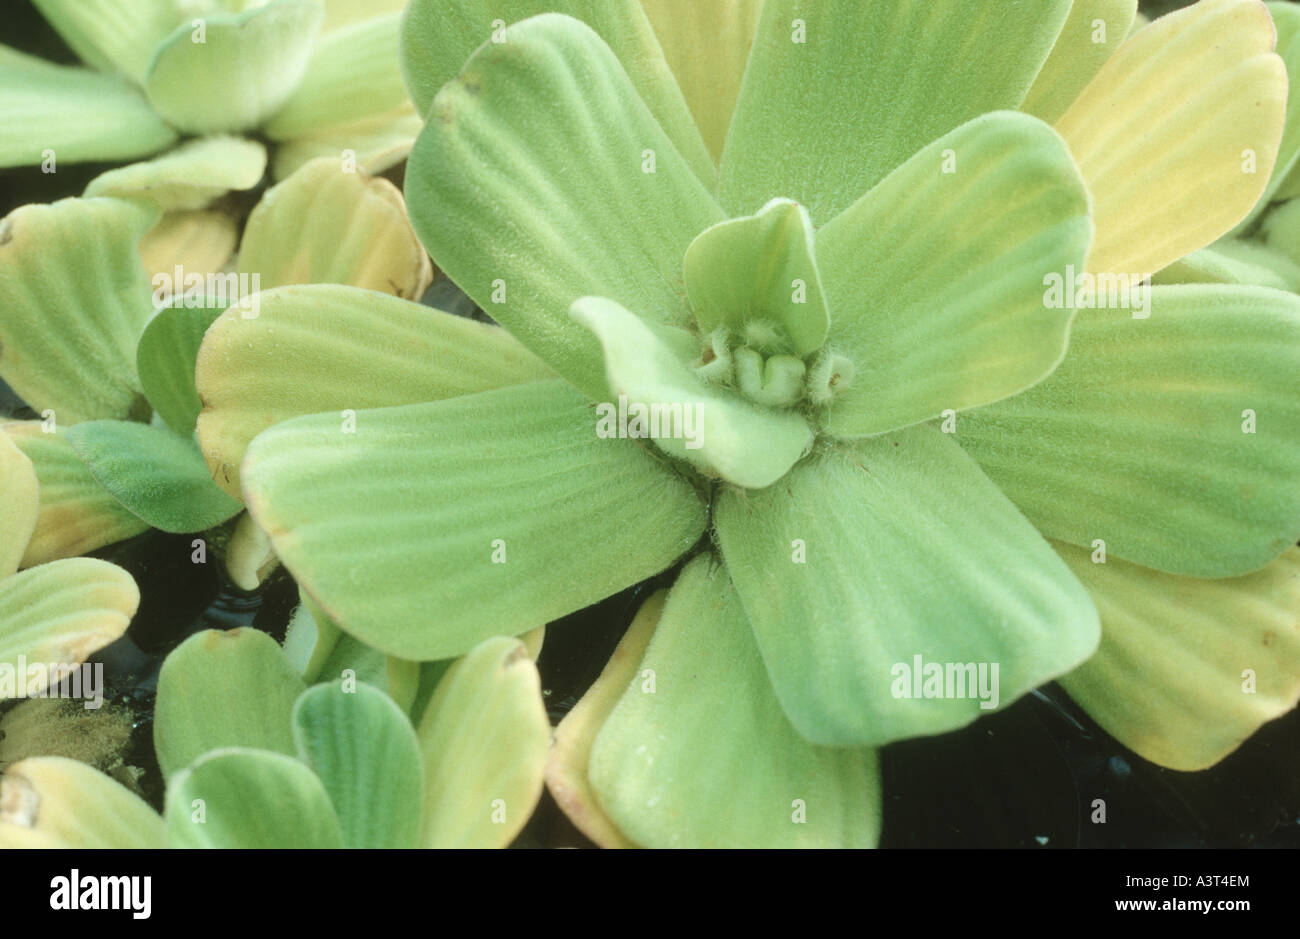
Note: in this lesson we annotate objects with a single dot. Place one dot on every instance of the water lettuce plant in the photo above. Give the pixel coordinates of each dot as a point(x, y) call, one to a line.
point(314, 77)
point(54, 616)
point(928, 352)
point(85, 345)
point(254, 758)
point(912, 447)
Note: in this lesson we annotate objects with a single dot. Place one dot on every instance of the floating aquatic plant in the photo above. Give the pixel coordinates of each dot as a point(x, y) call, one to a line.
point(315, 77)
point(254, 758)
point(906, 454)
point(931, 352)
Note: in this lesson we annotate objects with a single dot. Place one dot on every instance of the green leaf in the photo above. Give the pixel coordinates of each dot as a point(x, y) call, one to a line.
point(326, 224)
point(748, 269)
point(529, 188)
point(192, 176)
point(113, 35)
point(59, 614)
point(1090, 36)
point(157, 475)
point(1234, 261)
point(19, 501)
point(1165, 184)
point(364, 662)
point(55, 802)
point(1173, 439)
point(393, 529)
point(722, 434)
point(935, 278)
point(246, 798)
point(871, 557)
point(1286, 21)
point(224, 689)
point(299, 355)
point(309, 640)
point(365, 752)
point(1280, 230)
point(166, 355)
point(678, 764)
point(75, 298)
point(484, 739)
point(707, 46)
point(235, 70)
point(570, 756)
point(72, 115)
point(353, 73)
point(1188, 669)
point(840, 92)
point(438, 38)
point(76, 514)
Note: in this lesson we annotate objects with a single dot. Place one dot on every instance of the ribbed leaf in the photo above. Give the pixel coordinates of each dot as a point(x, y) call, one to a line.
point(224, 689)
point(243, 71)
point(159, 476)
point(299, 355)
point(935, 279)
point(435, 525)
point(74, 114)
point(54, 802)
point(246, 798)
point(1286, 21)
point(1173, 439)
point(1090, 36)
point(19, 500)
point(198, 242)
point(721, 433)
point(484, 739)
point(76, 514)
point(840, 92)
point(75, 298)
point(529, 186)
point(114, 34)
point(863, 561)
point(1170, 679)
point(749, 269)
point(679, 764)
point(707, 46)
point(59, 614)
point(570, 756)
point(353, 73)
point(327, 225)
point(1164, 181)
point(438, 38)
point(166, 355)
point(190, 177)
point(365, 752)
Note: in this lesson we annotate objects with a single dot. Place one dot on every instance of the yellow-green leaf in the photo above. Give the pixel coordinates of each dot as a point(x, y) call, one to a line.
point(327, 225)
point(55, 802)
point(484, 738)
point(58, 614)
point(76, 514)
point(1165, 181)
point(1188, 669)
